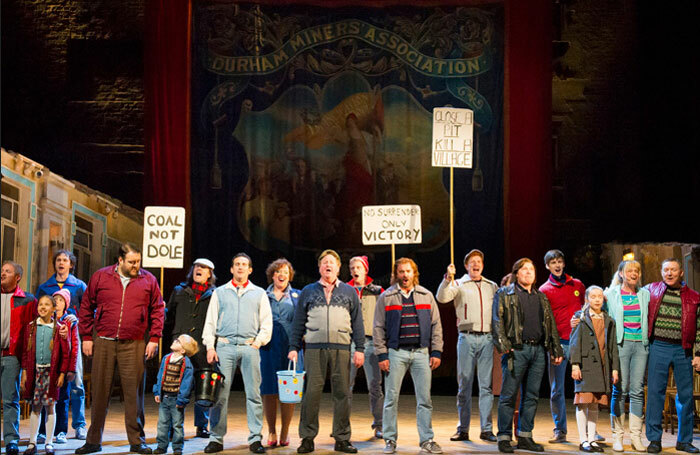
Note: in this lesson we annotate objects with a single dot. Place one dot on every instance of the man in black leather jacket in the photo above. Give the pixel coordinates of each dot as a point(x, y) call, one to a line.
point(523, 329)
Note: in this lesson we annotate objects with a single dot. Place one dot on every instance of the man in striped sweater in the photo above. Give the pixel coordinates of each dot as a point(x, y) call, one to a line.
point(408, 337)
point(674, 338)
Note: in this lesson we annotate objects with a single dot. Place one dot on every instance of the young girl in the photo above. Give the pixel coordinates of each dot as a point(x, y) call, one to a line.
point(594, 360)
point(45, 363)
point(65, 317)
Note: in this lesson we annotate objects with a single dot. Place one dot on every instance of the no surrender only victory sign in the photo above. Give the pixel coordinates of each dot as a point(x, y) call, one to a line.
point(391, 224)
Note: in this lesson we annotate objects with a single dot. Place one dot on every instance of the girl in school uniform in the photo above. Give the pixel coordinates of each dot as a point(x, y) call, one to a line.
point(595, 364)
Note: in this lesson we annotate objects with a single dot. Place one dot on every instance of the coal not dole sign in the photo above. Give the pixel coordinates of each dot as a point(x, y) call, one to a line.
point(391, 224)
point(453, 132)
point(163, 237)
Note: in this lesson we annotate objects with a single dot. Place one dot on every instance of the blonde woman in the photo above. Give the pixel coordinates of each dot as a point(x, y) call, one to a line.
point(628, 305)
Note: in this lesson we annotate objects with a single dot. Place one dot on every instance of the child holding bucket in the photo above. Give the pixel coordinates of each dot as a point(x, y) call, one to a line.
point(172, 391)
point(594, 362)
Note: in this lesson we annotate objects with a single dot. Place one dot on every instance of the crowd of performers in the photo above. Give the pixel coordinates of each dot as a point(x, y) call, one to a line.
point(613, 338)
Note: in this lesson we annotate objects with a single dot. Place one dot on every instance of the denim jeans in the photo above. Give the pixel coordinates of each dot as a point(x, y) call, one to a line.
point(661, 356)
point(417, 362)
point(633, 365)
point(9, 393)
point(169, 416)
point(474, 352)
point(201, 416)
point(557, 399)
point(374, 382)
point(530, 361)
point(77, 396)
point(232, 356)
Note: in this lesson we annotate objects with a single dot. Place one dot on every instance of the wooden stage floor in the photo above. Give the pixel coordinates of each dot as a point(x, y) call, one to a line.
point(444, 423)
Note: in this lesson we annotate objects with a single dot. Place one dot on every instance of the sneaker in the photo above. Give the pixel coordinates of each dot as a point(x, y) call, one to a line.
point(599, 438)
point(488, 436)
point(558, 438)
point(40, 438)
point(430, 446)
point(390, 447)
point(160, 450)
point(81, 433)
point(378, 433)
point(61, 438)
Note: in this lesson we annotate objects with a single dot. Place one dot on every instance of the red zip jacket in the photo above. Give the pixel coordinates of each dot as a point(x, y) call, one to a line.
point(565, 300)
point(689, 304)
point(22, 312)
point(118, 312)
point(60, 357)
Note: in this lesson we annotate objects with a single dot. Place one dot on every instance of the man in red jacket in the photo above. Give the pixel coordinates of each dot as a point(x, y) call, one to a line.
point(674, 339)
point(566, 296)
point(18, 309)
point(121, 302)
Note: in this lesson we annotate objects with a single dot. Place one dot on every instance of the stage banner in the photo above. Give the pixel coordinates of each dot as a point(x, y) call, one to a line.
point(302, 115)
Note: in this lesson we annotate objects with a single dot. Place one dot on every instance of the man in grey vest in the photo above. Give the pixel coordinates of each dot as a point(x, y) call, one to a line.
point(238, 322)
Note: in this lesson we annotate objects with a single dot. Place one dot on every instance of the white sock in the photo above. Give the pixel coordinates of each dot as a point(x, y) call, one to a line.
point(592, 421)
point(50, 424)
point(582, 422)
point(34, 426)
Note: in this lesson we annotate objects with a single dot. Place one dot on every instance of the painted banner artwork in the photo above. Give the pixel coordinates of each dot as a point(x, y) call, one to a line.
point(299, 120)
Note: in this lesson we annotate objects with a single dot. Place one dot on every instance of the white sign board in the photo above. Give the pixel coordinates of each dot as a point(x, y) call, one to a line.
point(391, 224)
point(453, 134)
point(163, 237)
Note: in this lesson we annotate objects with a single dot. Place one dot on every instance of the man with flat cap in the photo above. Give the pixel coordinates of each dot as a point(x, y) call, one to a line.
point(185, 314)
point(473, 297)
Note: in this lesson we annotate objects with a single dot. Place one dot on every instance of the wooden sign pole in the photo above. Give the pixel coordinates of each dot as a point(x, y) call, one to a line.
point(160, 341)
point(393, 256)
point(452, 217)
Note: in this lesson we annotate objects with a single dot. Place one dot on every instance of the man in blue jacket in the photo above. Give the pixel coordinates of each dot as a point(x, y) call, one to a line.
point(408, 337)
point(63, 278)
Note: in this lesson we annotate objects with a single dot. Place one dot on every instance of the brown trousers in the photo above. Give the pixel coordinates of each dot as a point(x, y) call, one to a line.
point(128, 356)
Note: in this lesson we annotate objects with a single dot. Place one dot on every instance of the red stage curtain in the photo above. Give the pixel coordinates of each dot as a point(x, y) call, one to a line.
point(528, 119)
point(167, 96)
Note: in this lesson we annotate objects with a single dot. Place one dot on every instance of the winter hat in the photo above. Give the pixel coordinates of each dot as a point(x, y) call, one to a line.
point(362, 259)
point(65, 293)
